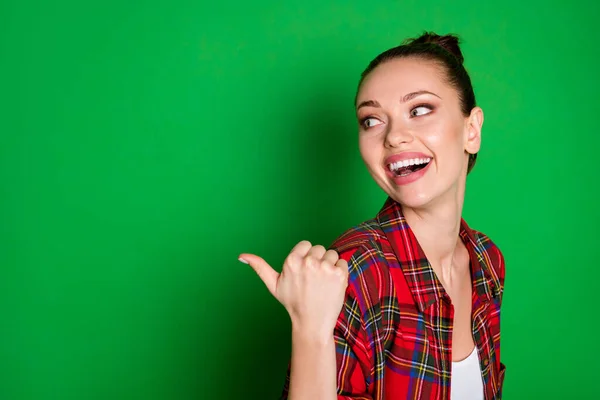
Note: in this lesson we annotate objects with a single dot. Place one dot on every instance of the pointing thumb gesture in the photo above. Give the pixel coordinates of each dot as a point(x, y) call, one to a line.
point(311, 285)
point(264, 271)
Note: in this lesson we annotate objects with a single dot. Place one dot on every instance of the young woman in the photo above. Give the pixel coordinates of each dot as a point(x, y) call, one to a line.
point(406, 305)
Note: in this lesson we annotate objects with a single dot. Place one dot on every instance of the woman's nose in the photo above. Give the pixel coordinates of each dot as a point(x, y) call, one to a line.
point(398, 134)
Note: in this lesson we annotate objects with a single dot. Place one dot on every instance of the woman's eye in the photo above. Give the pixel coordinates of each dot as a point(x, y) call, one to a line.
point(420, 110)
point(370, 122)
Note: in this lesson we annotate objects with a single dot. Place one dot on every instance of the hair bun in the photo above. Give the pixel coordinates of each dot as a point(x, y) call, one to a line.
point(450, 43)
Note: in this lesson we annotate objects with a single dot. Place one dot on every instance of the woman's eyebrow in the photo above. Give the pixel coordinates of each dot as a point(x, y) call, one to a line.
point(368, 103)
point(412, 95)
point(405, 98)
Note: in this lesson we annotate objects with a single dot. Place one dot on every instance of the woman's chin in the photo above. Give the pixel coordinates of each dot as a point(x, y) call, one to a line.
point(411, 198)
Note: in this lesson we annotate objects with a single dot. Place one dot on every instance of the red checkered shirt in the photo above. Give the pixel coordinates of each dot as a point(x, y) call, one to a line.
point(394, 334)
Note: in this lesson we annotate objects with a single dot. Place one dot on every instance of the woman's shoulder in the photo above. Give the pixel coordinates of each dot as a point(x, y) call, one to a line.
point(363, 247)
point(370, 279)
point(493, 255)
point(360, 236)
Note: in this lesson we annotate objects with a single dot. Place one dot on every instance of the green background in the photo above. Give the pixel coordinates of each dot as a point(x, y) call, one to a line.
point(144, 145)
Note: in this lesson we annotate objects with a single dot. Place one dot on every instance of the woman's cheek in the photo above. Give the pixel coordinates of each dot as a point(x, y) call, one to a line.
point(368, 144)
point(439, 137)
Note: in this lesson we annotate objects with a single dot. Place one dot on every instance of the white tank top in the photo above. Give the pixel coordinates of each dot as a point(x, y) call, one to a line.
point(466, 382)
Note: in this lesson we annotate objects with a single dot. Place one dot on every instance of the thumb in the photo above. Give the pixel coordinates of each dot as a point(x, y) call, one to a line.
point(264, 271)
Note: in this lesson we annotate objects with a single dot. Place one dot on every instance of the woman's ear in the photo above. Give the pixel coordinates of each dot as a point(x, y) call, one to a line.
point(473, 131)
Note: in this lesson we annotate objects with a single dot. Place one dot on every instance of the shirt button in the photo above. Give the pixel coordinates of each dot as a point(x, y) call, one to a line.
point(486, 361)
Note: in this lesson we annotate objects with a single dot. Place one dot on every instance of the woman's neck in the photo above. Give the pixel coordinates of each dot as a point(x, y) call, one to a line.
point(437, 228)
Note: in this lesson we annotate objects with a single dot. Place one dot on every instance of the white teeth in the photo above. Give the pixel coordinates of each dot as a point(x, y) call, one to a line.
point(406, 163)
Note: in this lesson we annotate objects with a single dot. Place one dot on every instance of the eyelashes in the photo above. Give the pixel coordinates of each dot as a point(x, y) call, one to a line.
point(414, 112)
point(418, 111)
point(366, 119)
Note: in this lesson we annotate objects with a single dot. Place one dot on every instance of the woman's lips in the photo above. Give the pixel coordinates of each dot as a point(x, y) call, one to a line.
point(407, 155)
point(405, 179)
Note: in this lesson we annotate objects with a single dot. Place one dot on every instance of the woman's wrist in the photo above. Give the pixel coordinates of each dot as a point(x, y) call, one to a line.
point(311, 336)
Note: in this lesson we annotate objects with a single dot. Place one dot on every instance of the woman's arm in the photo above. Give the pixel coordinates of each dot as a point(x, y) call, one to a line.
point(313, 367)
point(311, 286)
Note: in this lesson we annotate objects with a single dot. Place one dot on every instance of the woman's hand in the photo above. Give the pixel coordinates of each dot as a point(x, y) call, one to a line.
point(311, 286)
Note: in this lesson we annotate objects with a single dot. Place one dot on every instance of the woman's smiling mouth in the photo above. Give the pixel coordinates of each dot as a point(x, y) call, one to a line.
point(407, 167)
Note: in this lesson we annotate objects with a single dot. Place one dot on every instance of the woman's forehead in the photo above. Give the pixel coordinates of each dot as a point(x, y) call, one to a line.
point(400, 76)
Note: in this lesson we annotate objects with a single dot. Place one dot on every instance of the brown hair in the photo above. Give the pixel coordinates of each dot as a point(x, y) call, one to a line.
point(444, 50)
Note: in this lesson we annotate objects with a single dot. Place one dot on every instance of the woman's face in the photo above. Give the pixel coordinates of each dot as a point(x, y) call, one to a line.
point(413, 136)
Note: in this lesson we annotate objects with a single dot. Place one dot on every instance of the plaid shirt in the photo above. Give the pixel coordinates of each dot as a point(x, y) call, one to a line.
point(394, 334)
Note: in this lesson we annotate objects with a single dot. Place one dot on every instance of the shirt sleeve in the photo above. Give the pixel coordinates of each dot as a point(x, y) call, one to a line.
point(498, 271)
point(496, 260)
point(499, 267)
point(352, 352)
point(354, 364)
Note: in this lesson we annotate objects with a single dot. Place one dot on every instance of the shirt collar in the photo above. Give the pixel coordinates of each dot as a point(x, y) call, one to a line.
point(422, 280)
